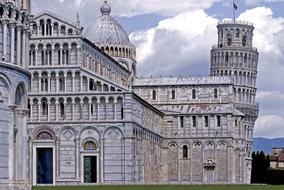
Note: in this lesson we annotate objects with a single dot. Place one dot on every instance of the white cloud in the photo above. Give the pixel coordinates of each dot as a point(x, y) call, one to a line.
point(89, 9)
point(178, 45)
point(269, 126)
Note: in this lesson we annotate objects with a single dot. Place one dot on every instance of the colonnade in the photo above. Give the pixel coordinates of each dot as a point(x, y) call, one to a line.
point(90, 108)
point(67, 81)
point(244, 95)
point(234, 59)
point(240, 77)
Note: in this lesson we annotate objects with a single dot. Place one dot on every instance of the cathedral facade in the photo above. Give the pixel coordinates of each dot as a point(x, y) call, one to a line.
point(88, 119)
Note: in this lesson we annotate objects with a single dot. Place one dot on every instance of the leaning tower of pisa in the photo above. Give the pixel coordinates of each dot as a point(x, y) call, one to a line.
point(14, 85)
point(234, 56)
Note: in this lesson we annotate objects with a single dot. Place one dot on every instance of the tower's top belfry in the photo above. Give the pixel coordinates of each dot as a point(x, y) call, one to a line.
point(235, 34)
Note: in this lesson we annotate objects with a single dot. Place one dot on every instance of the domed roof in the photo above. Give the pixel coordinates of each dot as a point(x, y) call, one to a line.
point(106, 30)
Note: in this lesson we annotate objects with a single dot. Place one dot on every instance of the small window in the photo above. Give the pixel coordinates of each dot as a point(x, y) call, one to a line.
point(206, 121)
point(91, 85)
point(237, 33)
point(194, 123)
point(92, 109)
point(185, 152)
point(122, 114)
point(154, 95)
point(193, 94)
point(229, 40)
point(181, 120)
point(244, 40)
point(173, 94)
point(227, 57)
point(62, 109)
point(218, 121)
point(236, 123)
point(44, 108)
point(215, 93)
point(61, 84)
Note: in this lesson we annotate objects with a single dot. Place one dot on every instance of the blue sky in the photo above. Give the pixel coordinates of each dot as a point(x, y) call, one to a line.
point(174, 37)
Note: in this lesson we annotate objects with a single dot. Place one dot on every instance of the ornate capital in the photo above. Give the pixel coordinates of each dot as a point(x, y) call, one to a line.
point(22, 112)
point(11, 108)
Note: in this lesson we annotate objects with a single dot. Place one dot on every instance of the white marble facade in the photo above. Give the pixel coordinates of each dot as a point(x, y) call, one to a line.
point(89, 119)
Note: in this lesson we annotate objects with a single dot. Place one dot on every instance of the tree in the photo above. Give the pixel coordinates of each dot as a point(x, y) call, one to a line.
point(260, 165)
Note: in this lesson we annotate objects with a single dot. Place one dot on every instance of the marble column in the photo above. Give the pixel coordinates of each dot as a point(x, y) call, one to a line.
point(19, 28)
point(24, 49)
point(13, 43)
point(4, 23)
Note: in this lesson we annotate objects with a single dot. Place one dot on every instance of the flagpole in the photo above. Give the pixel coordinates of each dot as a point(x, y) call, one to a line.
point(234, 11)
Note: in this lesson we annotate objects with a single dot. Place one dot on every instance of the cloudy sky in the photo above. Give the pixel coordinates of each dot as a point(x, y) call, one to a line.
point(174, 37)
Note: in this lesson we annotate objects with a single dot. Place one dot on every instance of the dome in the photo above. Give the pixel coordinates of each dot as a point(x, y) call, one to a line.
point(106, 30)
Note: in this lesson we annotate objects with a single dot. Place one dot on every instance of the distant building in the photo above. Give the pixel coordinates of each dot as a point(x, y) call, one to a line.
point(277, 158)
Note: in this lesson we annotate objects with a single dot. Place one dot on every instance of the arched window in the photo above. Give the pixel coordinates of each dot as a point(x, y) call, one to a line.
point(215, 93)
point(245, 58)
point(218, 121)
point(227, 57)
point(193, 94)
point(44, 136)
point(229, 39)
point(206, 121)
point(90, 145)
point(62, 109)
point(61, 84)
point(1, 11)
point(44, 84)
point(244, 40)
point(238, 33)
point(173, 94)
point(44, 107)
point(154, 95)
point(185, 151)
point(19, 96)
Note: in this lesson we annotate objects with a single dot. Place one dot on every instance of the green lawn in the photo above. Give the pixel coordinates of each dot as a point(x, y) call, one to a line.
point(167, 187)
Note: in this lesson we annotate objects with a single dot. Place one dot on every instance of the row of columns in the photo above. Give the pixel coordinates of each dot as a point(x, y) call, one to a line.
point(239, 61)
point(21, 43)
point(239, 78)
point(82, 103)
point(48, 56)
point(45, 83)
point(244, 96)
point(48, 29)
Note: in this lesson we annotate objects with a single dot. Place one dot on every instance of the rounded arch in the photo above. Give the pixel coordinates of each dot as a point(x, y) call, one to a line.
point(5, 80)
point(68, 128)
point(112, 128)
point(20, 94)
point(44, 129)
point(89, 128)
point(90, 144)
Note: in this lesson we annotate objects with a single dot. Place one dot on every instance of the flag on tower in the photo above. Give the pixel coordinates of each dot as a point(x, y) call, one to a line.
point(235, 6)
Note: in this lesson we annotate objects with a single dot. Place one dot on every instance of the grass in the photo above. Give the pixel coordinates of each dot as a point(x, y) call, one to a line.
point(167, 187)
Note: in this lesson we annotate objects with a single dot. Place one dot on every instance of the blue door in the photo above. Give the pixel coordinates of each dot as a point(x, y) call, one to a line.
point(44, 166)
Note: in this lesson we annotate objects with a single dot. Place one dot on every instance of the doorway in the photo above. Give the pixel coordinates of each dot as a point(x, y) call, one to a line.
point(90, 169)
point(209, 172)
point(44, 166)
